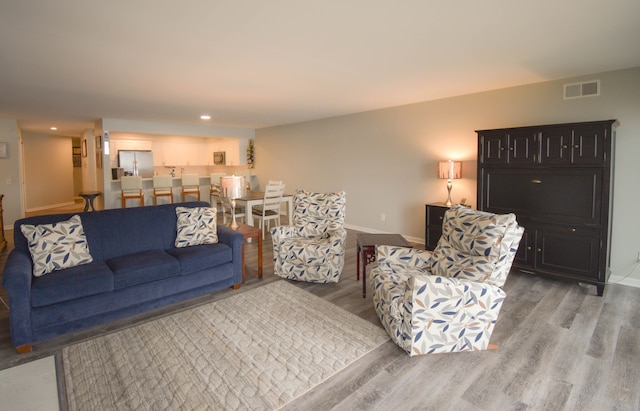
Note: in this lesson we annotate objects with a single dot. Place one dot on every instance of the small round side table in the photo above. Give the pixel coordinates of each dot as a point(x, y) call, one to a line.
point(89, 196)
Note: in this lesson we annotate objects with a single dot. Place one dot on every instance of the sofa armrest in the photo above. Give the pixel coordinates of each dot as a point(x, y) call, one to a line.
point(234, 240)
point(450, 314)
point(16, 280)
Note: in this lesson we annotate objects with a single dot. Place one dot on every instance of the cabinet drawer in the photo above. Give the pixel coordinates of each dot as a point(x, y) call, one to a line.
point(433, 229)
point(435, 216)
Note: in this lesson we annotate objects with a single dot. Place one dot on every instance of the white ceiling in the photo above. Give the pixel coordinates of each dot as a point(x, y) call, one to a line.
point(257, 63)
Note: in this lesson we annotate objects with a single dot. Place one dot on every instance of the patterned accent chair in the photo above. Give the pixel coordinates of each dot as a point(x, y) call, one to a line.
point(449, 299)
point(313, 248)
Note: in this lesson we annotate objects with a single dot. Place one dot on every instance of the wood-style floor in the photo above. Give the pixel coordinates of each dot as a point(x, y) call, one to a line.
point(560, 348)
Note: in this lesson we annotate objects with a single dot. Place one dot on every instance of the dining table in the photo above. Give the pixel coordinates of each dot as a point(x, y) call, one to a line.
point(256, 198)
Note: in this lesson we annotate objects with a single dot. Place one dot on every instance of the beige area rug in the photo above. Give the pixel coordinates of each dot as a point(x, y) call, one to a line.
point(255, 350)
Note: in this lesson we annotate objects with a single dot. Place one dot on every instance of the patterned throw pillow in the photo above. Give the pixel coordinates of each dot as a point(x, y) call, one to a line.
point(196, 226)
point(57, 246)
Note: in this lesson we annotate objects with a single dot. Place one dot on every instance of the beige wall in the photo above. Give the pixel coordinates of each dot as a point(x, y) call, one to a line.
point(10, 172)
point(386, 160)
point(48, 169)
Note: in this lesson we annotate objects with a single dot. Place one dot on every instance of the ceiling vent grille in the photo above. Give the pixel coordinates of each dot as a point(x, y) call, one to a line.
point(584, 89)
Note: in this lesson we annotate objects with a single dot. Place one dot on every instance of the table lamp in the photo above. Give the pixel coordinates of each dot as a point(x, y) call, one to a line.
point(450, 170)
point(232, 188)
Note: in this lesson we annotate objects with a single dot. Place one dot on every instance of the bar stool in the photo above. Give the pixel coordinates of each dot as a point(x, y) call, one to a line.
point(162, 187)
point(131, 188)
point(214, 193)
point(190, 185)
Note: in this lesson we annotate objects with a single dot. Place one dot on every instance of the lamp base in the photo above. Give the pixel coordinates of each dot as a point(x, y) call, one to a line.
point(234, 225)
point(448, 203)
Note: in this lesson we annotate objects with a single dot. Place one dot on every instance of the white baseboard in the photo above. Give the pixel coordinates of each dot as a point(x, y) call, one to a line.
point(631, 282)
point(69, 203)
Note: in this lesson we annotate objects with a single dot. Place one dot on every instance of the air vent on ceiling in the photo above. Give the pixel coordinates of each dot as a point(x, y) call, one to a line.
point(584, 89)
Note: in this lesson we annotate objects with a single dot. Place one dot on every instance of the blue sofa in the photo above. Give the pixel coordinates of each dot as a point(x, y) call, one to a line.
point(136, 267)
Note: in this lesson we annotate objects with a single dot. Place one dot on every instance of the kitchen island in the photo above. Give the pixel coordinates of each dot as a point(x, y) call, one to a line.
point(147, 188)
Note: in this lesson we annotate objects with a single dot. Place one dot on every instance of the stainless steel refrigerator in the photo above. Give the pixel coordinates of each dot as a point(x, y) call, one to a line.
point(136, 162)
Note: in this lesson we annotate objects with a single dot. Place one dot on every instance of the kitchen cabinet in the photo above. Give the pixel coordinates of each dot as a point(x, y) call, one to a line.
point(557, 179)
point(231, 147)
point(130, 145)
point(509, 147)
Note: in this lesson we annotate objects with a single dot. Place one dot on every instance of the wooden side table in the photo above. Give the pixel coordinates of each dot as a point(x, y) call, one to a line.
point(249, 231)
point(367, 251)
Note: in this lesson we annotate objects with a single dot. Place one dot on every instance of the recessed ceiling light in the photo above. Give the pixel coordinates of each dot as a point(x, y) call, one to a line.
point(205, 117)
point(54, 128)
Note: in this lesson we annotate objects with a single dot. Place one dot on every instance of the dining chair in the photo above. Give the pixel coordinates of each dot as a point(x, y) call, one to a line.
point(270, 208)
point(131, 187)
point(162, 187)
point(214, 192)
point(190, 186)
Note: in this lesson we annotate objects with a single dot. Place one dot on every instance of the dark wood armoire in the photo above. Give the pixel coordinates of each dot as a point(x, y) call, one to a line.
point(558, 180)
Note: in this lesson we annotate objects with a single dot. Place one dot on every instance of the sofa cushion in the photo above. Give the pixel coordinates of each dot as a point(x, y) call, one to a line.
point(142, 267)
point(57, 246)
point(71, 283)
point(196, 226)
point(194, 259)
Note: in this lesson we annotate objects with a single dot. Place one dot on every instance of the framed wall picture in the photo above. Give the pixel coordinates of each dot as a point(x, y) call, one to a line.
point(98, 142)
point(84, 147)
point(4, 150)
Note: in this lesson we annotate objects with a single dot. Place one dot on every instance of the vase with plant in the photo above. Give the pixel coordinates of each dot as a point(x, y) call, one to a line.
point(250, 154)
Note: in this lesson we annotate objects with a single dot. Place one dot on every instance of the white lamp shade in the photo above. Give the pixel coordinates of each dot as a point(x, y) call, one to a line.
point(450, 169)
point(232, 187)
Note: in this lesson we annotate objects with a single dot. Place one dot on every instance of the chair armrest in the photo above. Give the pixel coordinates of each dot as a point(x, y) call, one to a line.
point(450, 314)
point(338, 238)
point(398, 258)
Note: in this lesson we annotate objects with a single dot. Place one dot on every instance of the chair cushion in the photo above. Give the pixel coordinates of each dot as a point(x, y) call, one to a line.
point(447, 261)
point(475, 232)
point(316, 214)
point(57, 246)
point(308, 251)
point(470, 246)
point(196, 226)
